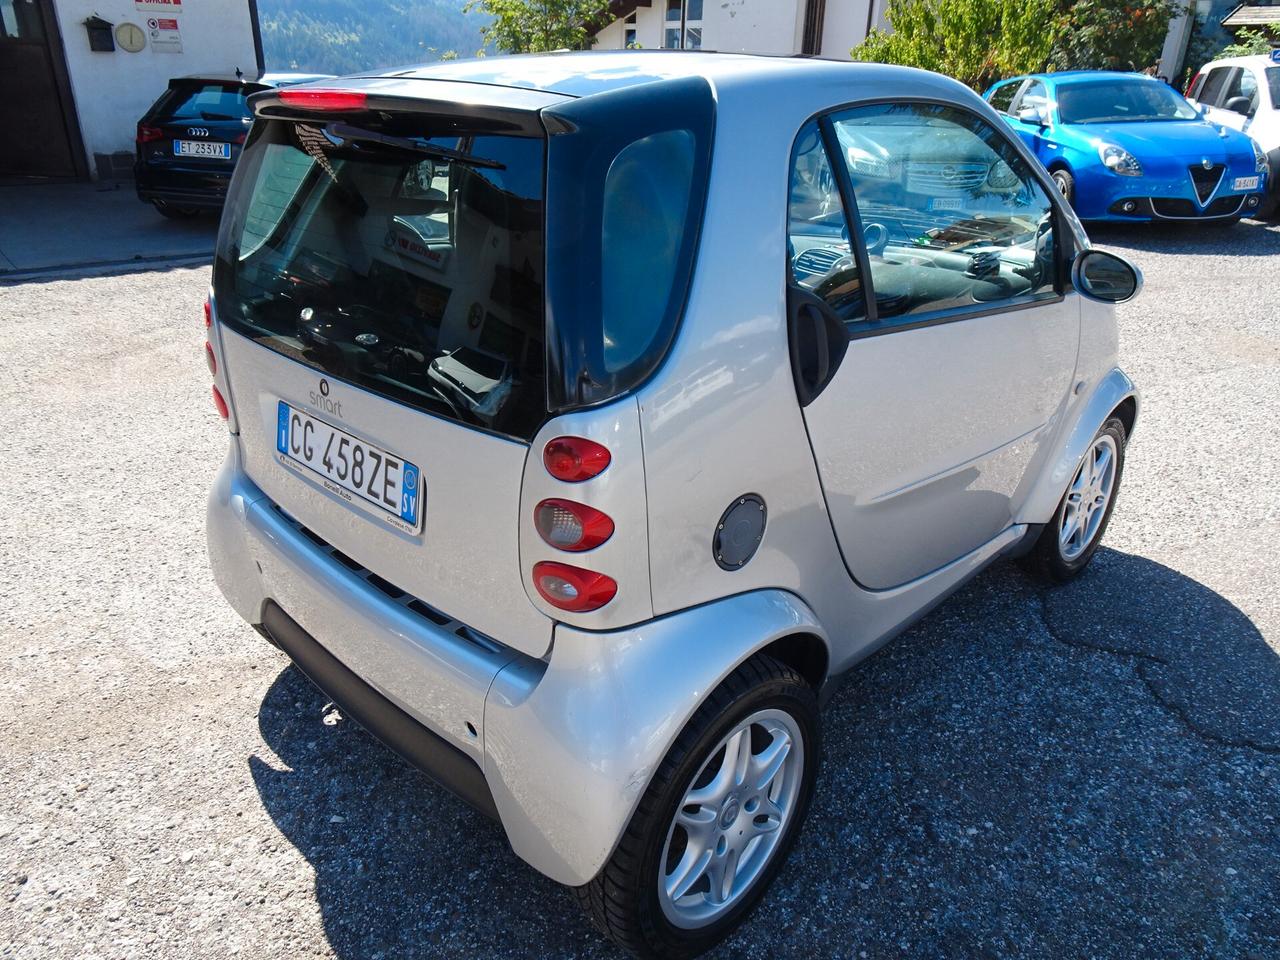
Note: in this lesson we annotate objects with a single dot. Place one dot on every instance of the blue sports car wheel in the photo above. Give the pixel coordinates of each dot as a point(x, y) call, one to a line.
point(1065, 183)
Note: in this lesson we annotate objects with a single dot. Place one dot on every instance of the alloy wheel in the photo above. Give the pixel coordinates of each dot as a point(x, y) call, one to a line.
point(1087, 499)
point(731, 819)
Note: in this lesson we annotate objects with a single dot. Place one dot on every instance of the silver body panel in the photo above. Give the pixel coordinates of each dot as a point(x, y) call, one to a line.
point(933, 452)
point(471, 493)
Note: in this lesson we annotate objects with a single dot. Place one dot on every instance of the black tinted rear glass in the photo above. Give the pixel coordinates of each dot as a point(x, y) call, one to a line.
point(203, 101)
point(409, 265)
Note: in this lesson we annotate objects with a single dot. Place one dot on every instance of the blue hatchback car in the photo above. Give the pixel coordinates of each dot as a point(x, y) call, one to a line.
point(1124, 146)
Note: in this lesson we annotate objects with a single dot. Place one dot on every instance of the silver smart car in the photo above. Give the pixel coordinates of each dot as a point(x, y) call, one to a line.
point(590, 414)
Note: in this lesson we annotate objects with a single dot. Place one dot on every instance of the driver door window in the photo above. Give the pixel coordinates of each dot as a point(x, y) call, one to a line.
point(1035, 97)
point(821, 260)
point(1210, 93)
point(1243, 86)
point(1001, 98)
point(953, 220)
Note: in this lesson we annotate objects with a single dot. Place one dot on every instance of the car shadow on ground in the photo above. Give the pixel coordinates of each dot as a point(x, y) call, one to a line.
point(1248, 238)
point(1090, 770)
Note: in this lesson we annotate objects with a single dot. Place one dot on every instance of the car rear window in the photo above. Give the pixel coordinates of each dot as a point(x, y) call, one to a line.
point(1273, 81)
point(405, 263)
point(203, 101)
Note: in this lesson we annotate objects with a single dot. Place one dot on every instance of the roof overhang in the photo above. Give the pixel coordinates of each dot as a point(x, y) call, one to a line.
point(618, 9)
point(1248, 15)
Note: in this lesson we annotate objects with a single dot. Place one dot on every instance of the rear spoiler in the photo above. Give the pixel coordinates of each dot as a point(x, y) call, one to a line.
point(513, 109)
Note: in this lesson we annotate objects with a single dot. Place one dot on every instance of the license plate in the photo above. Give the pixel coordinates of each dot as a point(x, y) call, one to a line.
point(1246, 183)
point(201, 148)
point(351, 467)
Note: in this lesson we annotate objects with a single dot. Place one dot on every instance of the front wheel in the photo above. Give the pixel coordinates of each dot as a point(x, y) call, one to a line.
point(1066, 184)
point(1072, 537)
point(718, 819)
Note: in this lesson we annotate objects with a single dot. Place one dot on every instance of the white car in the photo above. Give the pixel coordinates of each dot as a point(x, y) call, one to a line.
point(1244, 93)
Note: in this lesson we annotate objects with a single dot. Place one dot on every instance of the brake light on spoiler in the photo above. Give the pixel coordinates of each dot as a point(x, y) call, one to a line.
point(322, 99)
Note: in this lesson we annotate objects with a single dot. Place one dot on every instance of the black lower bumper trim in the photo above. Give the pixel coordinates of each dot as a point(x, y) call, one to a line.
point(438, 759)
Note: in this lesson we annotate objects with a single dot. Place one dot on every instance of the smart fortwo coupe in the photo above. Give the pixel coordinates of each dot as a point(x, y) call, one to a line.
point(591, 414)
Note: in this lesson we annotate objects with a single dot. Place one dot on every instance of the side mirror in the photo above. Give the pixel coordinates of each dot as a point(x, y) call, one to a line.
point(1104, 277)
point(1241, 105)
point(1031, 115)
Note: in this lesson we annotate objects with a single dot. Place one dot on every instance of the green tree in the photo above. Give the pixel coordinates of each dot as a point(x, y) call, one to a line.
point(1111, 34)
point(975, 41)
point(530, 26)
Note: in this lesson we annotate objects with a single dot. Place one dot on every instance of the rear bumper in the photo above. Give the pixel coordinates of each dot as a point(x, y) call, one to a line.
point(431, 754)
point(561, 749)
point(206, 189)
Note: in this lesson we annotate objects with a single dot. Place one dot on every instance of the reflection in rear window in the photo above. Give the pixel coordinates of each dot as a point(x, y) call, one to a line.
point(410, 266)
point(1273, 81)
point(205, 101)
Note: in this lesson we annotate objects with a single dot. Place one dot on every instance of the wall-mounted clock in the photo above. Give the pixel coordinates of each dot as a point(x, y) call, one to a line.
point(130, 37)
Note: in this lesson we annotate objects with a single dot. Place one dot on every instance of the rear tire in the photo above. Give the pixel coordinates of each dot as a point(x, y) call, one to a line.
point(645, 898)
point(1069, 541)
point(167, 209)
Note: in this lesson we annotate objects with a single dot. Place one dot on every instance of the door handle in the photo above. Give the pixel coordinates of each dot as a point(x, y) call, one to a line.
point(817, 339)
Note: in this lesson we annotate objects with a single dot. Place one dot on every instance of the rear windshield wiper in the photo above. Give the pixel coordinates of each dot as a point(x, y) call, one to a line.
point(204, 114)
point(344, 131)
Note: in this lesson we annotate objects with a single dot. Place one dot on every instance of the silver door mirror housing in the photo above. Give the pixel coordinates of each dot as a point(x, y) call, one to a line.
point(1031, 115)
point(1106, 278)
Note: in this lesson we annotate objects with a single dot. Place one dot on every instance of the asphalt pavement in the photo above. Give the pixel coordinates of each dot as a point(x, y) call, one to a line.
point(1087, 771)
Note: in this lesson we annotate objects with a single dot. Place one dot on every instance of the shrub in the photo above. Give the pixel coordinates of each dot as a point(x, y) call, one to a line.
point(975, 41)
point(1111, 34)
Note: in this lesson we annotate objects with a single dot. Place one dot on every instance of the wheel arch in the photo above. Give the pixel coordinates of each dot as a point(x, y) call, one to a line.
point(570, 751)
point(1114, 395)
point(804, 652)
point(1126, 411)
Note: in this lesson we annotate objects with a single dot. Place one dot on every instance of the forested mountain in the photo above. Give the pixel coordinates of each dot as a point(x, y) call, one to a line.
point(345, 36)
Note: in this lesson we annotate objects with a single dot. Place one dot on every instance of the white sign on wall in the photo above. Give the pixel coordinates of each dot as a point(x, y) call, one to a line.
point(165, 35)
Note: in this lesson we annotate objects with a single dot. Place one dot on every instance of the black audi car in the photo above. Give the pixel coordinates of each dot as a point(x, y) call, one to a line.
point(190, 139)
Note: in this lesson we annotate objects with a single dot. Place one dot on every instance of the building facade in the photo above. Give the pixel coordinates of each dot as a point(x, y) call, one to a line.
point(826, 28)
point(76, 75)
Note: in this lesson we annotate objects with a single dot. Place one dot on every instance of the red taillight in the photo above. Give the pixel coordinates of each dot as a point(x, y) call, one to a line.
point(210, 360)
point(1191, 85)
point(208, 315)
point(147, 134)
point(324, 99)
point(572, 588)
point(574, 459)
point(221, 404)
point(571, 526)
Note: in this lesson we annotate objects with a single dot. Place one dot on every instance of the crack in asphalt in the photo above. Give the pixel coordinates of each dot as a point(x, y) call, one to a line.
point(1178, 711)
